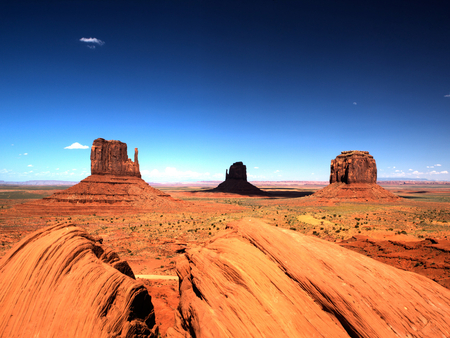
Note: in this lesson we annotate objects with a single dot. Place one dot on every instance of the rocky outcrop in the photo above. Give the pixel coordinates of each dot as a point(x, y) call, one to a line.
point(236, 182)
point(353, 166)
point(62, 282)
point(353, 176)
point(111, 158)
point(261, 281)
point(238, 171)
point(115, 186)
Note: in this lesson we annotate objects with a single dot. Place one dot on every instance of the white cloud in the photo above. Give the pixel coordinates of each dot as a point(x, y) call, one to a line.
point(276, 171)
point(30, 165)
point(417, 173)
point(355, 103)
point(93, 40)
point(256, 167)
point(4, 171)
point(430, 166)
point(76, 145)
point(410, 169)
point(25, 153)
point(438, 165)
point(444, 172)
point(447, 95)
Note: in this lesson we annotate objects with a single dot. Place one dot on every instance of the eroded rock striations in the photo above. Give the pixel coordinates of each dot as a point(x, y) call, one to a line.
point(353, 176)
point(236, 181)
point(111, 158)
point(353, 166)
point(261, 281)
point(115, 185)
point(62, 282)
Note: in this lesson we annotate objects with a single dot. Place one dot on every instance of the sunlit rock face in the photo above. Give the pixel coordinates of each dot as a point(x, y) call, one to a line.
point(62, 282)
point(353, 166)
point(110, 158)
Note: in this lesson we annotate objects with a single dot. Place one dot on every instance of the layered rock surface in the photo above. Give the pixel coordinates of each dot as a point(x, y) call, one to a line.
point(260, 281)
point(236, 181)
point(429, 257)
point(111, 158)
point(353, 176)
point(62, 282)
point(353, 166)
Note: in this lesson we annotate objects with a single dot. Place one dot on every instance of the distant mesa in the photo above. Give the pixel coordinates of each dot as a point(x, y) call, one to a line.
point(353, 176)
point(115, 184)
point(62, 282)
point(236, 182)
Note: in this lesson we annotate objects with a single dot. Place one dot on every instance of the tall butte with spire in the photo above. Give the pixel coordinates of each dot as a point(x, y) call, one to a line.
point(115, 184)
point(353, 176)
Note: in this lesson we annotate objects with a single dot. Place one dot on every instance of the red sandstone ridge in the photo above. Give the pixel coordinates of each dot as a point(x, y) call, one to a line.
point(236, 182)
point(115, 185)
point(62, 282)
point(260, 281)
point(353, 176)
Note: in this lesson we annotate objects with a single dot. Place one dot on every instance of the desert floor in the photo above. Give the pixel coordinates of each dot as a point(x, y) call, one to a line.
point(151, 242)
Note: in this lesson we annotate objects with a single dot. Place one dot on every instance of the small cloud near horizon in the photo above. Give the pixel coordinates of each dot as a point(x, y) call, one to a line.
point(30, 165)
point(76, 145)
point(93, 40)
point(256, 167)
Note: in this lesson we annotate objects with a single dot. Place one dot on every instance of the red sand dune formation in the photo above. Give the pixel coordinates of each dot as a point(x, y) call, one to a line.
point(260, 281)
point(61, 282)
point(353, 176)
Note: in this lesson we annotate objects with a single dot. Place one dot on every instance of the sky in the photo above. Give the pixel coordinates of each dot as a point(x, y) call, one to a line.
point(283, 86)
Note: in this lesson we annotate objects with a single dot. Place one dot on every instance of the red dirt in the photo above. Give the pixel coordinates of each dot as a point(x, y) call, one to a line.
point(429, 257)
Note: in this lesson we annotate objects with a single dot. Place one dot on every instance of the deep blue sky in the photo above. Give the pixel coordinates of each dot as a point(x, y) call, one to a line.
point(282, 85)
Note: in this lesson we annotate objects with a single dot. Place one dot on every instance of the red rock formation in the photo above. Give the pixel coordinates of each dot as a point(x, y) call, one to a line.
point(236, 182)
point(115, 186)
point(111, 158)
point(238, 171)
point(261, 281)
point(62, 282)
point(353, 176)
point(353, 166)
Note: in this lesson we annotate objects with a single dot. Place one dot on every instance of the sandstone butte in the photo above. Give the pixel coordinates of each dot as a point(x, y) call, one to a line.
point(62, 282)
point(353, 176)
point(115, 185)
point(236, 182)
point(257, 280)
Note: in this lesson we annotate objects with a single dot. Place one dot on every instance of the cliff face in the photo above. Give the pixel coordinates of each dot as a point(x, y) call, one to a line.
point(353, 166)
point(238, 171)
point(110, 158)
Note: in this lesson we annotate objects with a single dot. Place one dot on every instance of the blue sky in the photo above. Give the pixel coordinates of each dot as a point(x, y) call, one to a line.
point(283, 86)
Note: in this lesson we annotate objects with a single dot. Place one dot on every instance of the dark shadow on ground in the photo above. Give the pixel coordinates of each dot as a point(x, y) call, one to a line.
point(278, 193)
